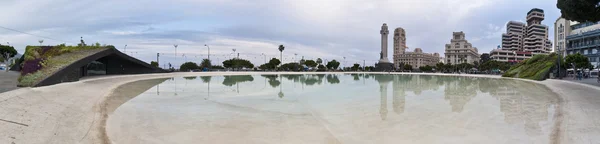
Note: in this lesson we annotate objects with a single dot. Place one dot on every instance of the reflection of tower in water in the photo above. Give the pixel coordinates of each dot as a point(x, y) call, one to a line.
point(383, 81)
point(383, 94)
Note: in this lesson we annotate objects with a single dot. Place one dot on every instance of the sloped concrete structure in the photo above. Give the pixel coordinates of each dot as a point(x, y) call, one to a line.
point(105, 62)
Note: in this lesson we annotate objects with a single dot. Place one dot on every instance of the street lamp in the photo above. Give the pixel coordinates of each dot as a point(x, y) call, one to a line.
point(41, 41)
point(208, 51)
point(125, 49)
point(234, 51)
point(265, 57)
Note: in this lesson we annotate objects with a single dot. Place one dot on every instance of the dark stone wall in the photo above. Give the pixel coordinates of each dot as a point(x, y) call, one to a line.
point(71, 76)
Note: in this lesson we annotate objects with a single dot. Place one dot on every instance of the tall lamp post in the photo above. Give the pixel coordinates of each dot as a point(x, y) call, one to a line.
point(265, 57)
point(41, 41)
point(125, 49)
point(175, 52)
point(208, 51)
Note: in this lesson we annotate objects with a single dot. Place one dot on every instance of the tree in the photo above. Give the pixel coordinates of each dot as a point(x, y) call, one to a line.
point(578, 59)
point(153, 63)
point(7, 52)
point(188, 66)
point(355, 67)
point(205, 63)
point(291, 66)
point(273, 63)
point(310, 63)
point(440, 67)
point(319, 61)
point(321, 68)
point(426, 68)
point(237, 63)
point(579, 10)
point(333, 64)
point(281, 48)
point(408, 67)
point(369, 68)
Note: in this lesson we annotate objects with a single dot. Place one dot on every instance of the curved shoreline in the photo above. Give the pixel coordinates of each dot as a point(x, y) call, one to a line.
point(77, 110)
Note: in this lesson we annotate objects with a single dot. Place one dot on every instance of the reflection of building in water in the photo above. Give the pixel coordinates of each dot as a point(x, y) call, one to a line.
point(398, 100)
point(415, 83)
point(460, 91)
point(521, 104)
point(383, 81)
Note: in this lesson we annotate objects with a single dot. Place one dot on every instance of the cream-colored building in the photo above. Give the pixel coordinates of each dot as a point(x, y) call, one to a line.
point(460, 50)
point(562, 29)
point(418, 59)
point(399, 45)
point(522, 41)
point(537, 33)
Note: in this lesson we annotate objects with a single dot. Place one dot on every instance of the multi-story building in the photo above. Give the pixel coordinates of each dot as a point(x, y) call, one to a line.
point(562, 28)
point(399, 45)
point(522, 41)
point(513, 38)
point(509, 55)
point(460, 50)
point(418, 59)
point(537, 34)
point(584, 38)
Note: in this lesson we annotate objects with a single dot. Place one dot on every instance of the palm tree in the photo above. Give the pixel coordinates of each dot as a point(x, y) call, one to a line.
point(281, 48)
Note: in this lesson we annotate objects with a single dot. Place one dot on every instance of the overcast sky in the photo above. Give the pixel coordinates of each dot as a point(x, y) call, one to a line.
point(329, 29)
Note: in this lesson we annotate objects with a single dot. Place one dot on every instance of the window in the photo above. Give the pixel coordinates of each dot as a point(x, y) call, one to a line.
point(585, 52)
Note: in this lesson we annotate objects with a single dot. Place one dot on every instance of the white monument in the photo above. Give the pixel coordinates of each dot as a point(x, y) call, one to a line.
point(384, 44)
point(384, 64)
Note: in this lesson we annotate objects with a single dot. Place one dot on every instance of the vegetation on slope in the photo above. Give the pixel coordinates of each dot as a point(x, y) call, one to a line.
point(536, 68)
point(43, 61)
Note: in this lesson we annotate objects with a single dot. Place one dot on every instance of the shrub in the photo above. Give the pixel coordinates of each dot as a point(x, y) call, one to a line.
point(31, 66)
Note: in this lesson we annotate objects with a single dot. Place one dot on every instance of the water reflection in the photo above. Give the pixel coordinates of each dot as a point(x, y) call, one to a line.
point(190, 78)
point(521, 104)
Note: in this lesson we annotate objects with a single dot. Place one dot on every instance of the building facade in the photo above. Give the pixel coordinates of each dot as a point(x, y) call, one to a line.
point(513, 38)
point(537, 34)
point(584, 38)
point(562, 28)
point(522, 41)
point(418, 59)
point(509, 55)
point(460, 50)
point(399, 45)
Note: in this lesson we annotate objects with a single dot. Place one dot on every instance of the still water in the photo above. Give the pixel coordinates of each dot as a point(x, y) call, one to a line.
point(333, 108)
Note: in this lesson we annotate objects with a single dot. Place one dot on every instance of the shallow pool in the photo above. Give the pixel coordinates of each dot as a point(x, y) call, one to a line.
point(333, 108)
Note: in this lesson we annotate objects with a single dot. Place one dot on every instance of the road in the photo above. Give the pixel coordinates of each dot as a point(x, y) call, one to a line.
point(8, 81)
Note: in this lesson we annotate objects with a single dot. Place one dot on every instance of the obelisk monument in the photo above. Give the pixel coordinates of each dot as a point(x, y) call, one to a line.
point(384, 64)
point(384, 44)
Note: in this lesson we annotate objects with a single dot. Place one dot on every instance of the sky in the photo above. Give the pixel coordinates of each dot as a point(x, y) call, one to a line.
point(327, 29)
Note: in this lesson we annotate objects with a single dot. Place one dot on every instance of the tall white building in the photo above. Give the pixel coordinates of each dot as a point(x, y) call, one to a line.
point(460, 50)
point(523, 41)
point(537, 33)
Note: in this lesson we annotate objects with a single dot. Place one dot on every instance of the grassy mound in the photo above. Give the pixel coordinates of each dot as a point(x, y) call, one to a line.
point(536, 68)
point(43, 61)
